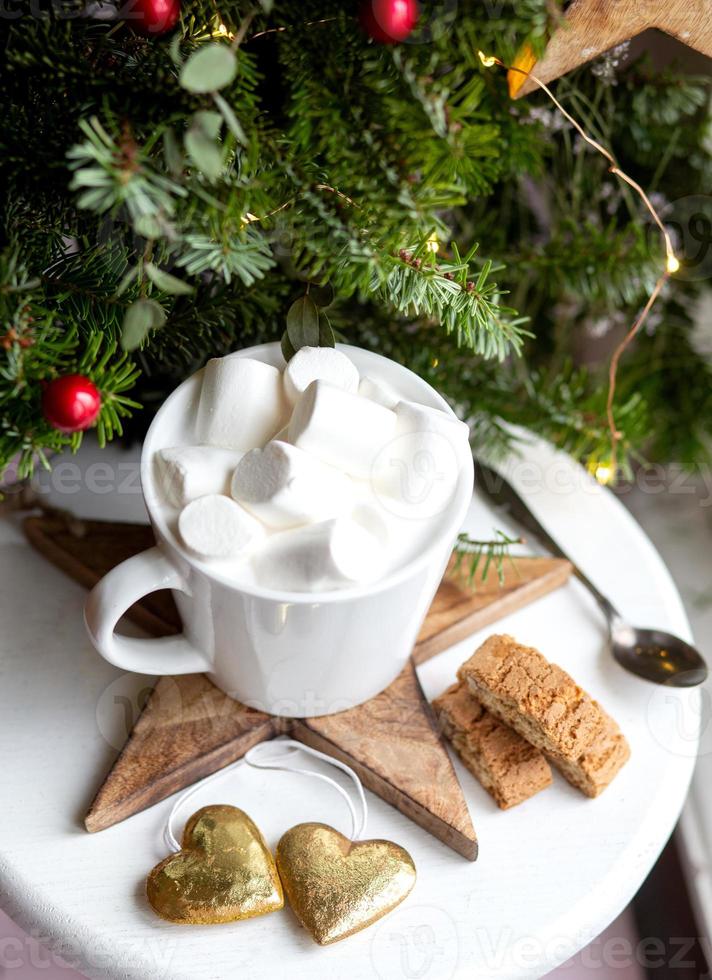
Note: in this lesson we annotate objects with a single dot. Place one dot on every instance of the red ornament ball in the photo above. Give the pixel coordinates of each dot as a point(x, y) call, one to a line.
point(389, 21)
point(154, 17)
point(71, 403)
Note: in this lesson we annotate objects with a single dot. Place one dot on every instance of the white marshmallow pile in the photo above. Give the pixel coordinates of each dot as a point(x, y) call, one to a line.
point(216, 527)
point(329, 555)
point(286, 487)
point(341, 428)
point(187, 472)
point(311, 478)
point(318, 364)
point(242, 404)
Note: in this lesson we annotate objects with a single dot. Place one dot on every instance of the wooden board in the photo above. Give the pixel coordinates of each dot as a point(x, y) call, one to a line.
point(394, 744)
point(189, 728)
point(594, 26)
point(460, 609)
point(86, 550)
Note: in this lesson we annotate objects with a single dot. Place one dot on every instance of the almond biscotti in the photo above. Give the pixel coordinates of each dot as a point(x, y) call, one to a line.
point(509, 768)
point(547, 708)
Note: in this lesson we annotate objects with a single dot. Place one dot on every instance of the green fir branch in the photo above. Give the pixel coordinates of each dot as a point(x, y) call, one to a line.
point(473, 556)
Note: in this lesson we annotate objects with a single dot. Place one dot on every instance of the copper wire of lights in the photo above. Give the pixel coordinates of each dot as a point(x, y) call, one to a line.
point(672, 264)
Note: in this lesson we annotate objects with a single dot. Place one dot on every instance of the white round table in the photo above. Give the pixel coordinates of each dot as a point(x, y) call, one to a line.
point(551, 874)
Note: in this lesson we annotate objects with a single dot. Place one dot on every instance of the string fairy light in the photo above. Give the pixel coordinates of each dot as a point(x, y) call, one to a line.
point(222, 31)
point(602, 471)
point(606, 472)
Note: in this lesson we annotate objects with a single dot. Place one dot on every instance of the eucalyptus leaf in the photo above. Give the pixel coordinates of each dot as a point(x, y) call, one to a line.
point(208, 121)
point(326, 334)
point(166, 282)
point(288, 351)
point(205, 154)
point(140, 318)
point(303, 323)
point(172, 153)
point(323, 296)
point(202, 145)
point(211, 67)
point(233, 123)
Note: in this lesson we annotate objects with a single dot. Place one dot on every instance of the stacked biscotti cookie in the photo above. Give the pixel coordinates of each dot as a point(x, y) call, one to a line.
point(508, 767)
point(546, 707)
point(511, 710)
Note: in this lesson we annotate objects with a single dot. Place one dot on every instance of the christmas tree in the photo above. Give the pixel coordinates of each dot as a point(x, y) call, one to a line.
point(181, 182)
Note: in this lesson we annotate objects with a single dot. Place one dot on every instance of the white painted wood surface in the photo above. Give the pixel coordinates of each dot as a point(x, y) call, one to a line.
point(551, 873)
point(680, 523)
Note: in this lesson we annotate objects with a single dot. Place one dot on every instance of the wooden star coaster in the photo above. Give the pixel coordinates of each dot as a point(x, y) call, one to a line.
point(594, 26)
point(189, 728)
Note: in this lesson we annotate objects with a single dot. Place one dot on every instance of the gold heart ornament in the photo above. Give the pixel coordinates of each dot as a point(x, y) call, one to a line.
point(224, 872)
point(337, 887)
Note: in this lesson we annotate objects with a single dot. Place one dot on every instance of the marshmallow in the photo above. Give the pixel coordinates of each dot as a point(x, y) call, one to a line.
point(416, 473)
point(319, 364)
point(372, 519)
point(378, 391)
point(242, 403)
point(184, 473)
point(330, 555)
point(414, 417)
point(341, 428)
point(284, 486)
point(217, 527)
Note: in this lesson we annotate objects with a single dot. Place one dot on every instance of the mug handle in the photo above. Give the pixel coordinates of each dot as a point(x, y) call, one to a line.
point(130, 581)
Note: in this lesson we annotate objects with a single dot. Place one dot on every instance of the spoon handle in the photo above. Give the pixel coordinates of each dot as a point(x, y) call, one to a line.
point(495, 486)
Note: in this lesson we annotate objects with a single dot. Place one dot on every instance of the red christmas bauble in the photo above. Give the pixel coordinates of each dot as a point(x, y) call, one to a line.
point(389, 21)
point(71, 403)
point(153, 17)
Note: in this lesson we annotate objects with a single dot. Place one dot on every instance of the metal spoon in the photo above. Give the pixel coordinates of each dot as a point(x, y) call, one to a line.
point(652, 654)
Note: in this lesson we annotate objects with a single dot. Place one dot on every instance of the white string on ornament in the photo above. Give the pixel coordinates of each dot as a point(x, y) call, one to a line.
point(276, 755)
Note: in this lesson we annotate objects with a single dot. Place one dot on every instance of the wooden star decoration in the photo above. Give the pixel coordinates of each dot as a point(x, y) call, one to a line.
point(592, 27)
point(189, 729)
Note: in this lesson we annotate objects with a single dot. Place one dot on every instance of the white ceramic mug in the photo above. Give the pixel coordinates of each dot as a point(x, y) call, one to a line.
point(292, 654)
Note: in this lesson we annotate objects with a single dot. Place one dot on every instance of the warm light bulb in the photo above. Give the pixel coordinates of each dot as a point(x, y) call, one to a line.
point(603, 473)
point(487, 59)
point(222, 31)
point(672, 264)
